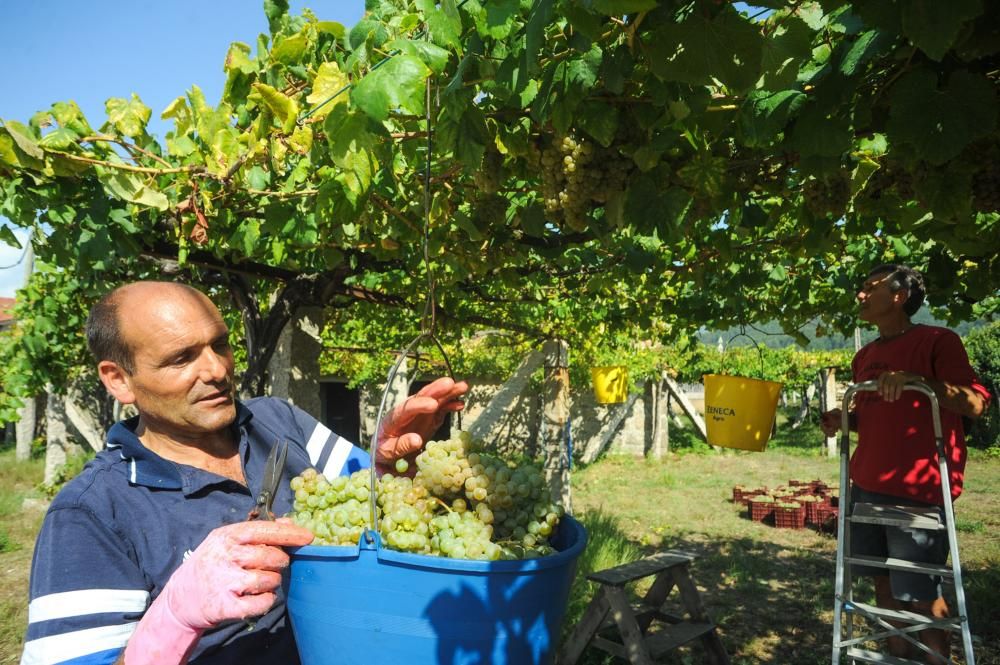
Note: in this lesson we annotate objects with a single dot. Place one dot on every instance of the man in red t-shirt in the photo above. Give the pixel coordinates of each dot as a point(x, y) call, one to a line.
point(895, 461)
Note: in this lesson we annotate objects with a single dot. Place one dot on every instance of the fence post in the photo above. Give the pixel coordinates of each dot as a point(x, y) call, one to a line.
point(555, 414)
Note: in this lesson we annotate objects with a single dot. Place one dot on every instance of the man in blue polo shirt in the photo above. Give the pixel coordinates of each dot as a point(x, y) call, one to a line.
point(146, 556)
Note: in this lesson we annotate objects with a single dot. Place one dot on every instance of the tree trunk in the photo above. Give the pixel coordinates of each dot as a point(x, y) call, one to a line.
point(828, 401)
point(555, 415)
point(25, 433)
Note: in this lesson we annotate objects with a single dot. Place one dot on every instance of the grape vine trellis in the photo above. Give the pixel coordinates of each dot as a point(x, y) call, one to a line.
point(598, 165)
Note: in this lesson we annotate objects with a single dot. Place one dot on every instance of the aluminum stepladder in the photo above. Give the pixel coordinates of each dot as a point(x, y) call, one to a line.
point(845, 642)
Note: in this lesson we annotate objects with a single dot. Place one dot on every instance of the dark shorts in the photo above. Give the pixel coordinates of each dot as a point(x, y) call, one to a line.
point(918, 545)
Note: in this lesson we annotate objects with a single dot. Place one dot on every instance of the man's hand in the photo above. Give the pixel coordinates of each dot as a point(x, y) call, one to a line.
point(890, 384)
point(829, 422)
point(232, 575)
point(409, 425)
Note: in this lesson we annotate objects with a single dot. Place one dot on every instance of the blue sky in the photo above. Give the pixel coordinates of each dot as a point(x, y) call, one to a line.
point(90, 50)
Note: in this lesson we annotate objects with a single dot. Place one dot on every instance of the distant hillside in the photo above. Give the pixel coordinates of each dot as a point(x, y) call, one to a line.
point(771, 335)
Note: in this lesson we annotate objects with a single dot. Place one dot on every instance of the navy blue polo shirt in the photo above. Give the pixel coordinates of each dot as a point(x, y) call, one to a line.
point(115, 533)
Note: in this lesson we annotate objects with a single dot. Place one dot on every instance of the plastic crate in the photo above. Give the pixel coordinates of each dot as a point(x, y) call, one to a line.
point(760, 510)
point(789, 518)
point(816, 512)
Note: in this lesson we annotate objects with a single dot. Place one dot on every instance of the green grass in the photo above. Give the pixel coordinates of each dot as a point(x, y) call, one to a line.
point(18, 526)
point(770, 590)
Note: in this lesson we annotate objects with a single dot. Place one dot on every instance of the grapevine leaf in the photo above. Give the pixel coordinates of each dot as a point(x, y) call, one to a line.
point(258, 178)
point(862, 172)
point(933, 26)
point(122, 219)
point(500, 15)
point(784, 52)
point(532, 219)
point(941, 122)
point(329, 81)
point(867, 46)
point(282, 106)
point(586, 23)
point(900, 247)
point(348, 131)
point(765, 114)
point(59, 139)
point(820, 133)
point(947, 192)
point(705, 173)
point(301, 140)
point(599, 120)
point(622, 7)
point(399, 84)
point(331, 28)
point(7, 153)
point(23, 138)
point(181, 146)
point(534, 35)
point(727, 47)
point(7, 236)
point(238, 59)
point(432, 55)
point(277, 13)
point(129, 117)
point(290, 50)
point(69, 115)
point(246, 237)
point(129, 187)
point(445, 26)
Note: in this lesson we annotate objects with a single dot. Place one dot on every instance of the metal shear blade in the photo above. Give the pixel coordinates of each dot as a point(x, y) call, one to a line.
point(274, 467)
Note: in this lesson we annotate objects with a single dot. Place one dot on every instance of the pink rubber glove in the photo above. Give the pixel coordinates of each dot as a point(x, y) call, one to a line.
point(231, 575)
point(407, 427)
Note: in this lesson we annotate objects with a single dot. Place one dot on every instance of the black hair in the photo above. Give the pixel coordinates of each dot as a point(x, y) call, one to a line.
point(104, 334)
point(903, 278)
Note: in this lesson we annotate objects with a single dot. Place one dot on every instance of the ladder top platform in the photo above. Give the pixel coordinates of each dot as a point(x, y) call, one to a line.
point(628, 572)
point(907, 517)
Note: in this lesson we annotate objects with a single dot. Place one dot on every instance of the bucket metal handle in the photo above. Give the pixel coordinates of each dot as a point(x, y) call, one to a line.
point(760, 352)
point(373, 449)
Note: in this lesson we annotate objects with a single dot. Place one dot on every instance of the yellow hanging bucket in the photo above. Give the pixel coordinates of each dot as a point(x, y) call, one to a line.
point(739, 412)
point(610, 384)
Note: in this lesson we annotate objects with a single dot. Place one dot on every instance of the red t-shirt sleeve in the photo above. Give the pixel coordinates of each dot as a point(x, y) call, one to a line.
point(951, 364)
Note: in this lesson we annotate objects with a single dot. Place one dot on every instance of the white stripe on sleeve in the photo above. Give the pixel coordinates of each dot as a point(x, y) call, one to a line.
point(58, 648)
point(317, 442)
point(86, 601)
point(341, 449)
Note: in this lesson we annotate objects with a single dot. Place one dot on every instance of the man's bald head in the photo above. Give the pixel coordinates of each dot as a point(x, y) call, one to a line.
point(105, 336)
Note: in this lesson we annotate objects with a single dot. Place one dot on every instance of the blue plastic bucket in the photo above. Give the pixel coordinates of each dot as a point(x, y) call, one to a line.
point(377, 606)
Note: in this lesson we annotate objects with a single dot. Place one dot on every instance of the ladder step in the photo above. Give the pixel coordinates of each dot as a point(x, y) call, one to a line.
point(951, 623)
point(644, 613)
point(621, 575)
point(911, 517)
point(671, 637)
point(901, 564)
point(876, 657)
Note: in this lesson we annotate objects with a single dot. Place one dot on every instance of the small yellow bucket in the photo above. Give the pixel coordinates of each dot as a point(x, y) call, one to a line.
point(739, 412)
point(610, 384)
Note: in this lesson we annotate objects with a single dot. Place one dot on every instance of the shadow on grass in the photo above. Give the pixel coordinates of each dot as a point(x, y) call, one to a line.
point(773, 604)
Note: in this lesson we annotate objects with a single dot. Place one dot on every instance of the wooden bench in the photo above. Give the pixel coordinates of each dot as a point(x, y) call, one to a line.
point(645, 631)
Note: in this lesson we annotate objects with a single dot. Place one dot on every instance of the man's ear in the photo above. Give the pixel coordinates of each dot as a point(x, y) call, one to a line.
point(116, 380)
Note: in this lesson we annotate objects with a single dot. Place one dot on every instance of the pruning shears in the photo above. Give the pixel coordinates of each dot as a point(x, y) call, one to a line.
point(274, 467)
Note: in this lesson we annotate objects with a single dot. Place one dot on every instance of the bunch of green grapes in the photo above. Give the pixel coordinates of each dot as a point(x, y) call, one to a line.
point(461, 503)
point(578, 175)
point(336, 511)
